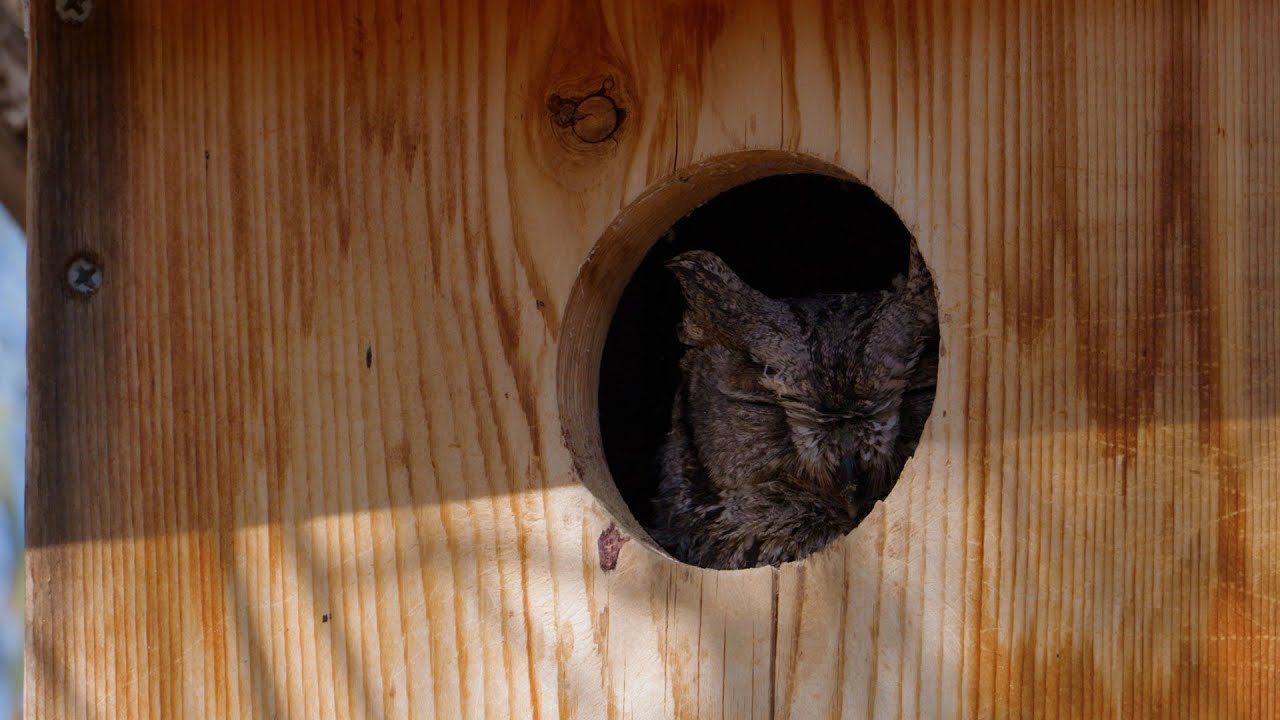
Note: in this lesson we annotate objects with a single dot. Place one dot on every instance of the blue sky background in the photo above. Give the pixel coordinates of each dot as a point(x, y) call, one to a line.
point(13, 403)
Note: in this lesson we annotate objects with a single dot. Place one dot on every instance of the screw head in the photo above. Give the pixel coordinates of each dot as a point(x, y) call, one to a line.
point(75, 11)
point(596, 119)
point(588, 120)
point(84, 276)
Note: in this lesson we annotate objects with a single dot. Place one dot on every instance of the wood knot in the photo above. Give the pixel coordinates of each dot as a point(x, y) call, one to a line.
point(592, 119)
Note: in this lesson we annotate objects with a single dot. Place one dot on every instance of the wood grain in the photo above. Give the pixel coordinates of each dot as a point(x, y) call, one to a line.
point(302, 454)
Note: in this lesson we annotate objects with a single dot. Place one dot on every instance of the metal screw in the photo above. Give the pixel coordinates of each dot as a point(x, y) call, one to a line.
point(76, 11)
point(84, 276)
point(592, 119)
point(596, 119)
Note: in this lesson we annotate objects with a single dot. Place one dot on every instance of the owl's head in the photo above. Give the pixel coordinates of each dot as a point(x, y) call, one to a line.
point(830, 369)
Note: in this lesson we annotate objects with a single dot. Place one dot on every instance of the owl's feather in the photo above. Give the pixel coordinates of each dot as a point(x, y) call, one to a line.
point(793, 416)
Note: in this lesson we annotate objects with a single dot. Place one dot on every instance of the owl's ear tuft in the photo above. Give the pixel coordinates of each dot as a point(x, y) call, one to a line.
point(721, 309)
point(918, 287)
point(715, 299)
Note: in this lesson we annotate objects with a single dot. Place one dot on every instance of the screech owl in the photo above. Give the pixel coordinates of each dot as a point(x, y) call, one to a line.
point(793, 416)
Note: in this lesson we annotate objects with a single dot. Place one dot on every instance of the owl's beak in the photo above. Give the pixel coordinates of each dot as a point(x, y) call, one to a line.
point(849, 469)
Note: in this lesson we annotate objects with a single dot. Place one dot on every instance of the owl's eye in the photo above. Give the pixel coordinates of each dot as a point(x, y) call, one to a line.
point(872, 407)
point(770, 372)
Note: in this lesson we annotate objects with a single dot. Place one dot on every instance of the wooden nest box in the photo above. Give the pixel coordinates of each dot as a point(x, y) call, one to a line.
point(318, 297)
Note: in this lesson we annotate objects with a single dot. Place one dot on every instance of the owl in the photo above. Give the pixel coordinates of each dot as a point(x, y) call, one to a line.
point(793, 417)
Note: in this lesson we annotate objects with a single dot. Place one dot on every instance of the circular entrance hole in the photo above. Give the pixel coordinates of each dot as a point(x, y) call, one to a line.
point(802, 237)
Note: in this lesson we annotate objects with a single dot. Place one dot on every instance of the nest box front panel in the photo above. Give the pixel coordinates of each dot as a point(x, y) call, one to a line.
point(322, 442)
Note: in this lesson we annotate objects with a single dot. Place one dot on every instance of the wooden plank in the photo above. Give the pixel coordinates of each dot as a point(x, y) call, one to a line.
point(301, 455)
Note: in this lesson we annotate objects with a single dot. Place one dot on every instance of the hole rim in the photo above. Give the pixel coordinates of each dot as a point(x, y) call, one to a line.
point(598, 287)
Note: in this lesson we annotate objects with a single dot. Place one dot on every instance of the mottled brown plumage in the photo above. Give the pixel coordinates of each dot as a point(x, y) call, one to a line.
point(793, 416)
